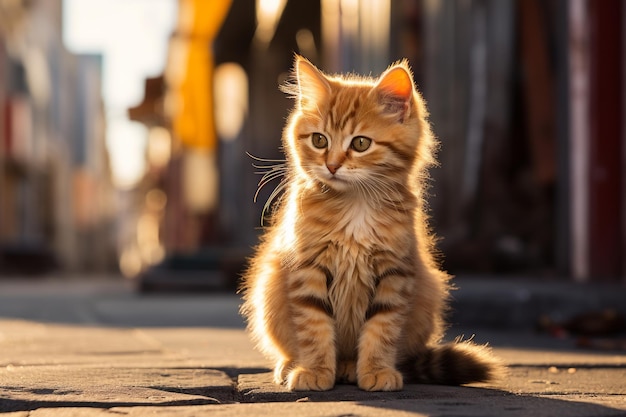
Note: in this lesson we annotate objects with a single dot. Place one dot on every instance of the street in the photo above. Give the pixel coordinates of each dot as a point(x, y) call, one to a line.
point(99, 348)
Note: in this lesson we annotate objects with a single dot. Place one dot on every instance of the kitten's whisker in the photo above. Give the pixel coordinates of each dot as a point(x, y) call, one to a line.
point(260, 186)
point(279, 188)
point(398, 201)
point(270, 167)
point(271, 173)
point(257, 158)
point(269, 176)
point(387, 192)
point(364, 185)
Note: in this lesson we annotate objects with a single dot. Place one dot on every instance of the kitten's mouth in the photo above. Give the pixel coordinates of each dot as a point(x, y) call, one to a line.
point(332, 181)
point(336, 183)
point(335, 178)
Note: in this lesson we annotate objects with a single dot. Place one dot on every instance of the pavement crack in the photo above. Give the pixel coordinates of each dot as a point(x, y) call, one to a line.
point(238, 395)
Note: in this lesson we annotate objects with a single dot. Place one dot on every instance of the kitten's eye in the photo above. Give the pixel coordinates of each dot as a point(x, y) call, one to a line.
point(319, 140)
point(361, 143)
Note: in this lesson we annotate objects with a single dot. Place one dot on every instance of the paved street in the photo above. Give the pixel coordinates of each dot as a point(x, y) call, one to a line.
point(100, 349)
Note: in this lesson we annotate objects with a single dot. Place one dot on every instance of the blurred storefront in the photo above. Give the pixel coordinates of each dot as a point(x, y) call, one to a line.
point(56, 197)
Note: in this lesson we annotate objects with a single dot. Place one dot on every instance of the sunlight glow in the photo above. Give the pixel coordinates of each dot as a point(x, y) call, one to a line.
point(268, 14)
point(132, 37)
point(231, 91)
point(159, 147)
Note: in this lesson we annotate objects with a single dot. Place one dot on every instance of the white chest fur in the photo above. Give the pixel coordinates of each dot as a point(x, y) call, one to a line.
point(357, 222)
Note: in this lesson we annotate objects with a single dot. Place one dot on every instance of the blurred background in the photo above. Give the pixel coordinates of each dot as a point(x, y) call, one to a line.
point(125, 127)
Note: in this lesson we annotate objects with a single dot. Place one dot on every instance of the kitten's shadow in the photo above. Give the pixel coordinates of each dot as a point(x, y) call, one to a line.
point(259, 387)
point(424, 399)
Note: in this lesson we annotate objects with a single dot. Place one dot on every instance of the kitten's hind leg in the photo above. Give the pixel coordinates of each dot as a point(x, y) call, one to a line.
point(346, 371)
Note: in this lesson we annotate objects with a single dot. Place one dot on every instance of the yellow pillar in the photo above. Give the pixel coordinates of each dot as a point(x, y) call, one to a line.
point(190, 73)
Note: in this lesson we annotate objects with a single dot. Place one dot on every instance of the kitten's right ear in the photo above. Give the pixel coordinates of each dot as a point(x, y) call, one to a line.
point(395, 90)
point(312, 84)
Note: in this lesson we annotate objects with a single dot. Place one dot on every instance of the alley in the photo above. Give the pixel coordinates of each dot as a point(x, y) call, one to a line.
point(103, 349)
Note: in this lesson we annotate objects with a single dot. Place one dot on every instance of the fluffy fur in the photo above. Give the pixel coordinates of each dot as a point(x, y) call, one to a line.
point(344, 285)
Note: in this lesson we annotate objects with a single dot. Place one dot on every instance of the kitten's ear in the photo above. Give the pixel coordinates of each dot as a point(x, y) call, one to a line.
point(395, 91)
point(312, 84)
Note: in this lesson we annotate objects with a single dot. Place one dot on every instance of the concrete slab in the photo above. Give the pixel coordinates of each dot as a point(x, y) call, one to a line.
point(513, 406)
point(25, 388)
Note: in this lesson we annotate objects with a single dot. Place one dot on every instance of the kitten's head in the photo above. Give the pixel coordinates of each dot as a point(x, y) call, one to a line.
point(352, 133)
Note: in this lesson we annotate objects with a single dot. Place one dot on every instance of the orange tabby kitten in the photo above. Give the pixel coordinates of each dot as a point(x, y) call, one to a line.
point(343, 286)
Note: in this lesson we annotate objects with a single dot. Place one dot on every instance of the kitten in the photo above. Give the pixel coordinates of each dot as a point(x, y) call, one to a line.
point(344, 285)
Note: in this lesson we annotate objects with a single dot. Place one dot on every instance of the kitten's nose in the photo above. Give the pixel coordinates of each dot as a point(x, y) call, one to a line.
point(333, 167)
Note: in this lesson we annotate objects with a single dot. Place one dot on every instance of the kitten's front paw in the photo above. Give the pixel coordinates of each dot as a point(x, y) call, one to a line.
point(387, 379)
point(303, 379)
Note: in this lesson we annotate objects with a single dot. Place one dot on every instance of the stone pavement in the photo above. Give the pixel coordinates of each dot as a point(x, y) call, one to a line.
point(81, 352)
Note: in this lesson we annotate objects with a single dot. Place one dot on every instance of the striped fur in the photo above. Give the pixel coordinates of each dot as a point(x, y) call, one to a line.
point(344, 285)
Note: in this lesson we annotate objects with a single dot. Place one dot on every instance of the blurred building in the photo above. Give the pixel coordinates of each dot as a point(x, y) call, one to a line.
point(526, 96)
point(56, 197)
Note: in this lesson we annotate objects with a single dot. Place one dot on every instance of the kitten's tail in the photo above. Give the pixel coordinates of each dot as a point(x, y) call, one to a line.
point(455, 363)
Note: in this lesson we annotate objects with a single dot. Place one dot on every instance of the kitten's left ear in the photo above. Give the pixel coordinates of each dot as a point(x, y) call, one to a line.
point(395, 91)
point(312, 84)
